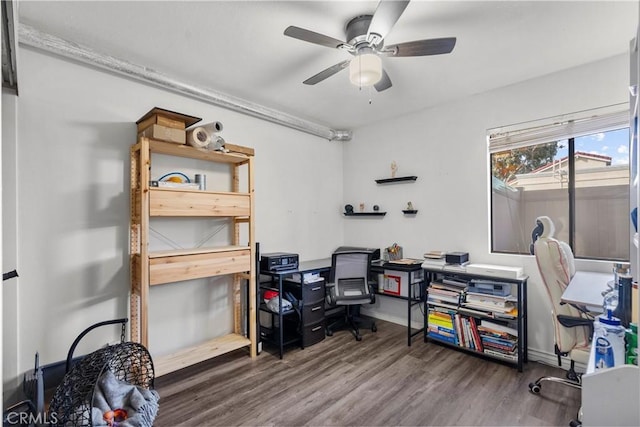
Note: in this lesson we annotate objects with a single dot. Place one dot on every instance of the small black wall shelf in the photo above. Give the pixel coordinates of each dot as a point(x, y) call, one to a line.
point(398, 179)
point(410, 211)
point(365, 214)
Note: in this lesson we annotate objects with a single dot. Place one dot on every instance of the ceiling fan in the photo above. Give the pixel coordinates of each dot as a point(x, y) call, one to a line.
point(365, 41)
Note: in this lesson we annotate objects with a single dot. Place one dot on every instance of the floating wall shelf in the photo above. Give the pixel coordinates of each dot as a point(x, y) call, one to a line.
point(365, 214)
point(398, 179)
point(410, 211)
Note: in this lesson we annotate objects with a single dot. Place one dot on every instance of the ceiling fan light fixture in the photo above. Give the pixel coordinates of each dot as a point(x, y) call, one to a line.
point(365, 69)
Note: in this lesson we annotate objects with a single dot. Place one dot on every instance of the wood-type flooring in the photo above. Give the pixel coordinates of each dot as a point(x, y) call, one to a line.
point(379, 381)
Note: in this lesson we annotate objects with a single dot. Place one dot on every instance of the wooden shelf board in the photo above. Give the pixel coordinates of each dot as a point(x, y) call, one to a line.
point(179, 252)
point(199, 353)
point(398, 179)
point(169, 148)
point(195, 190)
point(196, 203)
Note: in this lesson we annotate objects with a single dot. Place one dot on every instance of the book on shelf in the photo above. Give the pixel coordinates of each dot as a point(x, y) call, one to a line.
point(488, 300)
point(434, 255)
point(508, 348)
point(468, 334)
point(438, 336)
point(487, 289)
point(439, 322)
point(441, 285)
point(498, 354)
point(497, 327)
point(436, 305)
point(444, 296)
point(454, 282)
point(476, 336)
point(442, 330)
point(440, 316)
point(506, 316)
point(507, 309)
point(444, 292)
point(459, 330)
point(453, 302)
point(446, 310)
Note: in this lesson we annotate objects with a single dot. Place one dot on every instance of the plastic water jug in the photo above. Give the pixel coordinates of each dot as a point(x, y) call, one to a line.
point(609, 342)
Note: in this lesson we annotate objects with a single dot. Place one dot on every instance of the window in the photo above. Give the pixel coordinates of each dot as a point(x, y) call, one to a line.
point(574, 169)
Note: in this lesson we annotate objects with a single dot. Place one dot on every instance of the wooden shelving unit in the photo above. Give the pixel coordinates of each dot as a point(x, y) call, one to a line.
point(161, 267)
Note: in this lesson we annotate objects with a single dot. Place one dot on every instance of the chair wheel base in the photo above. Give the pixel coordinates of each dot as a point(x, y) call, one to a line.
point(534, 388)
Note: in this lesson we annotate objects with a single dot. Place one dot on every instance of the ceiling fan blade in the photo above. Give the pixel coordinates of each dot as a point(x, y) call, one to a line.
point(384, 83)
point(326, 73)
point(312, 37)
point(385, 17)
point(421, 47)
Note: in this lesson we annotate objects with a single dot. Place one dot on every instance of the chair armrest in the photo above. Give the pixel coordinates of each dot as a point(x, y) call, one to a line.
point(572, 322)
point(330, 293)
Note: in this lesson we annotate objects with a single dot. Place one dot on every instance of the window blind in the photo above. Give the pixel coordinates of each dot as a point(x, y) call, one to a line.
point(558, 128)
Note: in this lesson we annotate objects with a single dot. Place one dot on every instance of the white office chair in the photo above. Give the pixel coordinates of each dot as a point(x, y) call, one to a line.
point(572, 327)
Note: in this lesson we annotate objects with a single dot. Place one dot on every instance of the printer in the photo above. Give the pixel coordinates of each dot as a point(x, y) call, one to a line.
point(278, 261)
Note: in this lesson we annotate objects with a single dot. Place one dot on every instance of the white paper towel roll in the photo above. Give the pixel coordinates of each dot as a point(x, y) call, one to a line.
point(198, 137)
point(212, 127)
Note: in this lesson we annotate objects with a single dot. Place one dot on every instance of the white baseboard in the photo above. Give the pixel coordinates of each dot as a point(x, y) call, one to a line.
point(389, 318)
point(552, 360)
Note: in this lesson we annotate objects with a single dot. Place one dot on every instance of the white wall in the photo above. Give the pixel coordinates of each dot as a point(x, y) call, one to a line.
point(9, 238)
point(75, 127)
point(446, 148)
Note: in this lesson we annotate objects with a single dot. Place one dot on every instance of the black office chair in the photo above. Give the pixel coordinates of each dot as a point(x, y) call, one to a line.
point(349, 287)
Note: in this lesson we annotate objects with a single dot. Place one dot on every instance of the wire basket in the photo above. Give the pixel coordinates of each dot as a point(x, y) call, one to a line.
point(73, 399)
point(393, 252)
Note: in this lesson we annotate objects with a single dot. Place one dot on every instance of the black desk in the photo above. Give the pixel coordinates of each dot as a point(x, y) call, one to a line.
point(416, 294)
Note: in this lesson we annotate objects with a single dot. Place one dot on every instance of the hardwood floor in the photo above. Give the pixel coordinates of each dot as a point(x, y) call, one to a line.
point(379, 381)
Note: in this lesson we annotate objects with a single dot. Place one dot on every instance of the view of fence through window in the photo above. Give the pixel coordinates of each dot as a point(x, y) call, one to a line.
point(532, 181)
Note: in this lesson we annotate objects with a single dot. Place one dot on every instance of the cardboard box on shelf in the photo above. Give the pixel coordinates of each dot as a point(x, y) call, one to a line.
point(163, 133)
point(166, 118)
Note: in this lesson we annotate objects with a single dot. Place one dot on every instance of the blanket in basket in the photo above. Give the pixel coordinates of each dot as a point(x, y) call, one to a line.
point(119, 404)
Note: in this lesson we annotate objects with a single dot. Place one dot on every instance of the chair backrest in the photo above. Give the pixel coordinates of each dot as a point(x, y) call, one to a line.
point(349, 273)
point(557, 267)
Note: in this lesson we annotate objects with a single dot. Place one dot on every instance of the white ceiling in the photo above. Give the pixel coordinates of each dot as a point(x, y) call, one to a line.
point(238, 47)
